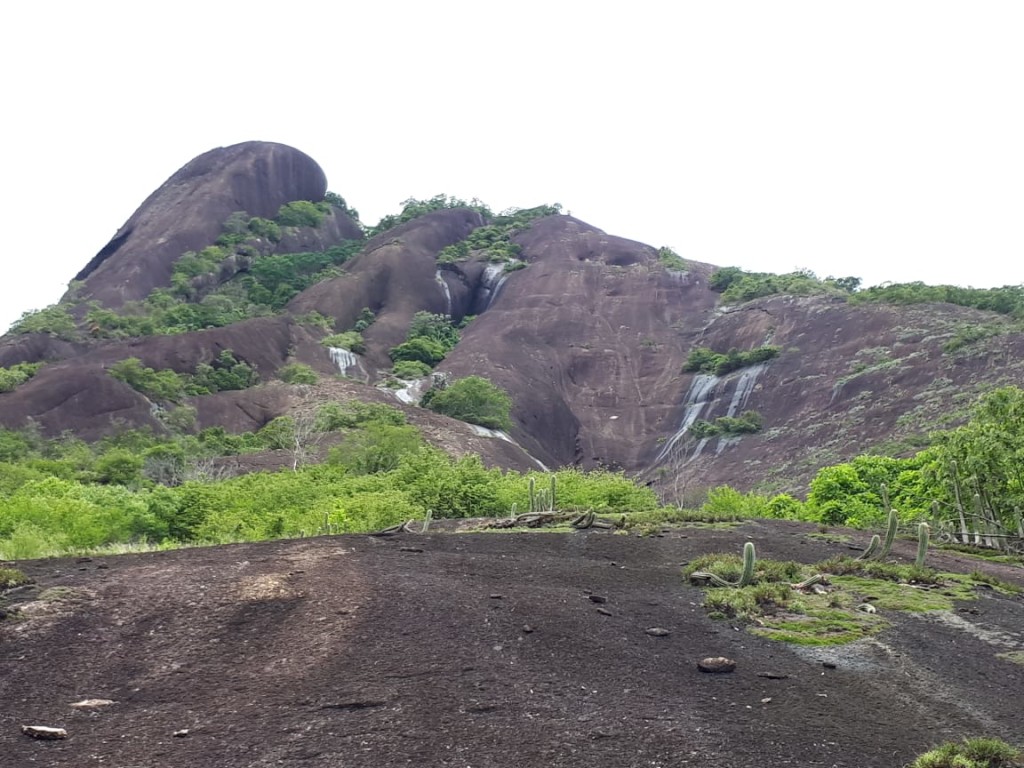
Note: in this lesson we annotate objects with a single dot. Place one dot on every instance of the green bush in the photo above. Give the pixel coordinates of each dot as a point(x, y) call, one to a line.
point(423, 350)
point(225, 373)
point(158, 385)
point(476, 400)
point(335, 416)
point(705, 360)
point(971, 753)
point(410, 369)
point(17, 374)
point(350, 340)
point(300, 213)
point(671, 260)
point(55, 320)
point(376, 448)
point(297, 373)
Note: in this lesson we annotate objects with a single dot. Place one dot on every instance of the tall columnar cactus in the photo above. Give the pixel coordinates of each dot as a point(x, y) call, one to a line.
point(890, 535)
point(533, 495)
point(553, 484)
point(922, 544)
point(749, 558)
point(746, 576)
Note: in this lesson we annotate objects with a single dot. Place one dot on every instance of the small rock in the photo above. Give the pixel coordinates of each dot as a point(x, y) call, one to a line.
point(92, 703)
point(43, 732)
point(867, 608)
point(409, 549)
point(772, 675)
point(828, 664)
point(180, 734)
point(527, 628)
point(716, 664)
point(496, 596)
point(598, 599)
point(658, 632)
point(766, 700)
point(604, 611)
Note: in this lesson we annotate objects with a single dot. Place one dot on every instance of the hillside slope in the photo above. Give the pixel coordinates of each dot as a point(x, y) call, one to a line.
point(466, 649)
point(587, 332)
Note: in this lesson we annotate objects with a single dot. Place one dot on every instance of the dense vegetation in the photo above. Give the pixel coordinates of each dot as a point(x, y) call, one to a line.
point(429, 339)
point(224, 373)
point(63, 495)
point(493, 241)
point(17, 374)
point(1008, 300)
point(473, 399)
point(746, 423)
point(705, 360)
point(737, 285)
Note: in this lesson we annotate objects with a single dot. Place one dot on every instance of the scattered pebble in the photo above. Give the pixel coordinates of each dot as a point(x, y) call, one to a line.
point(43, 732)
point(180, 734)
point(598, 599)
point(496, 596)
point(772, 675)
point(718, 664)
point(527, 628)
point(828, 664)
point(658, 632)
point(92, 703)
point(604, 611)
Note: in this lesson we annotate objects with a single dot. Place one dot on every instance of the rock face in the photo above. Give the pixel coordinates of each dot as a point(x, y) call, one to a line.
point(589, 340)
point(188, 211)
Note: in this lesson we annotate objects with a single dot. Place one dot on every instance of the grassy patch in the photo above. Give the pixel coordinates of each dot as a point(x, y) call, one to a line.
point(829, 538)
point(850, 604)
point(1017, 657)
point(11, 578)
point(971, 753)
point(991, 555)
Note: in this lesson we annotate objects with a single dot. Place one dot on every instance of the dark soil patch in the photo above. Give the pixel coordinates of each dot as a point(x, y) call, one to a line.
point(350, 651)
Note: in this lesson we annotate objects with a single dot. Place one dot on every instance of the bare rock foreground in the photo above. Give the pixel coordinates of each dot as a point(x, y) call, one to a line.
point(357, 651)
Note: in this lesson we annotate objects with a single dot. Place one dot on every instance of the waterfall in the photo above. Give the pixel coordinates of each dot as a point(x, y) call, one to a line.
point(493, 278)
point(702, 390)
point(346, 361)
point(439, 277)
point(501, 435)
point(411, 393)
point(744, 387)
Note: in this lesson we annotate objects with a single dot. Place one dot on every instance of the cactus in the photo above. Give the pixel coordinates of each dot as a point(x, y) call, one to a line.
point(533, 495)
point(553, 483)
point(513, 512)
point(885, 497)
point(427, 519)
point(872, 550)
point(922, 544)
point(747, 577)
point(890, 535)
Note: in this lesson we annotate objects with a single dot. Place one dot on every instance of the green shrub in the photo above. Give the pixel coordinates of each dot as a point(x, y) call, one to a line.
point(705, 360)
point(420, 349)
point(265, 228)
point(17, 374)
point(476, 400)
point(410, 369)
point(300, 213)
point(376, 448)
point(297, 373)
point(335, 416)
point(671, 260)
point(971, 753)
point(55, 320)
point(225, 373)
point(350, 340)
point(158, 385)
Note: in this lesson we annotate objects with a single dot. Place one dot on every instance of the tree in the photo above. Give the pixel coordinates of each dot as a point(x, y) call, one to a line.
point(376, 448)
point(476, 400)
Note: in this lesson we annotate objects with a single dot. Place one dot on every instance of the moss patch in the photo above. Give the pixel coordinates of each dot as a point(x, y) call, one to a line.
point(1017, 657)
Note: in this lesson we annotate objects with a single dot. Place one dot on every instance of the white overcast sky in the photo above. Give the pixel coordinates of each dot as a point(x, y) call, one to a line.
point(883, 139)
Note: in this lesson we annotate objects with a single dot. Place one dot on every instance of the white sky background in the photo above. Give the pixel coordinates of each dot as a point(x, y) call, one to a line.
point(883, 139)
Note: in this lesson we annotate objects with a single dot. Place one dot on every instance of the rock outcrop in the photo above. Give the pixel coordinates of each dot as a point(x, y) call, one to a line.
point(188, 211)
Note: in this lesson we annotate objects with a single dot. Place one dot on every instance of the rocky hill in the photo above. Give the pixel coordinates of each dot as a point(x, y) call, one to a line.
point(587, 332)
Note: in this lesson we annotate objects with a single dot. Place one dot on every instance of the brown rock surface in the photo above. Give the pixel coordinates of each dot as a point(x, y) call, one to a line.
point(188, 212)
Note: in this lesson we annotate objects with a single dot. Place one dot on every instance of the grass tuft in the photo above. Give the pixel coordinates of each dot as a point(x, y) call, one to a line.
point(971, 753)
